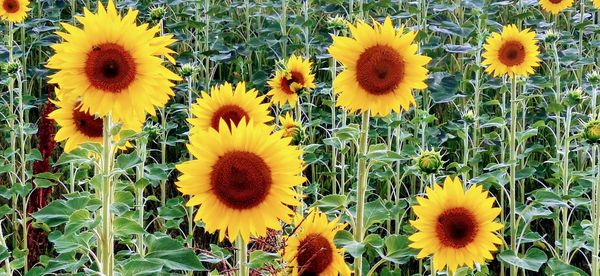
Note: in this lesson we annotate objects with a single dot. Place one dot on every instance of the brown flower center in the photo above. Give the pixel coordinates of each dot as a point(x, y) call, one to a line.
point(456, 227)
point(230, 113)
point(87, 124)
point(241, 180)
point(380, 69)
point(555, 1)
point(286, 84)
point(314, 255)
point(512, 53)
point(110, 67)
point(11, 6)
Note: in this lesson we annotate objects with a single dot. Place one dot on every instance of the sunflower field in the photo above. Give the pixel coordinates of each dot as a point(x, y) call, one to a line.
point(300, 137)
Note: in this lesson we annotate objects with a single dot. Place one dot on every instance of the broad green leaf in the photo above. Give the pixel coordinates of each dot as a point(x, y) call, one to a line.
point(532, 260)
point(171, 254)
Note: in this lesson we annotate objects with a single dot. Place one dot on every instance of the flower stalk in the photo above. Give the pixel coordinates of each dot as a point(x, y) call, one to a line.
point(512, 142)
point(363, 176)
point(242, 256)
point(107, 243)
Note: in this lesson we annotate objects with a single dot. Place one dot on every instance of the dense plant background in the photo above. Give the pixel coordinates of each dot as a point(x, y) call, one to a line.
point(464, 114)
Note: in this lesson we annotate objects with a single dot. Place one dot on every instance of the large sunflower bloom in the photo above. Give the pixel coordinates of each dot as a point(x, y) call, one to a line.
point(512, 52)
point(114, 65)
point(76, 126)
point(14, 11)
point(311, 250)
point(242, 178)
point(456, 226)
point(229, 105)
point(382, 68)
point(556, 6)
point(286, 83)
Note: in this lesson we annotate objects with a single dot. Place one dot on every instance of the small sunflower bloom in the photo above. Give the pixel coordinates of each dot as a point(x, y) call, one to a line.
point(229, 104)
point(287, 83)
point(429, 162)
point(14, 11)
point(381, 68)
point(512, 52)
point(574, 97)
point(311, 251)
point(243, 178)
point(556, 6)
point(591, 132)
point(292, 128)
point(455, 226)
point(113, 65)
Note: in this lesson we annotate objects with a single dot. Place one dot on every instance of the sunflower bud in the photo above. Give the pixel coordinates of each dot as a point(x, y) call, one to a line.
point(469, 116)
point(574, 97)
point(551, 36)
point(429, 162)
point(336, 23)
point(292, 129)
point(591, 132)
point(594, 78)
point(157, 13)
point(187, 70)
point(10, 68)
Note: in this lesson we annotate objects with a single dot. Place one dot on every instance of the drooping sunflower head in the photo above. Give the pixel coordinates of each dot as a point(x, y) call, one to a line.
point(114, 65)
point(429, 161)
point(382, 67)
point(556, 6)
point(512, 52)
point(77, 126)
point(311, 251)
point(14, 11)
point(591, 132)
point(291, 128)
point(455, 226)
point(242, 178)
point(228, 104)
point(288, 82)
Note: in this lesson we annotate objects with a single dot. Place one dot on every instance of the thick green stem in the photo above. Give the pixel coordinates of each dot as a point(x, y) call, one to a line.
point(596, 216)
point(242, 257)
point(139, 191)
point(106, 246)
point(361, 189)
point(513, 169)
point(565, 188)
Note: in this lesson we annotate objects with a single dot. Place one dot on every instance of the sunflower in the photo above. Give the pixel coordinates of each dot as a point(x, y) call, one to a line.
point(114, 65)
point(597, 4)
point(456, 226)
point(286, 83)
point(513, 52)
point(556, 6)
point(242, 178)
point(311, 250)
point(225, 103)
point(291, 128)
point(14, 11)
point(77, 126)
point(382, 68)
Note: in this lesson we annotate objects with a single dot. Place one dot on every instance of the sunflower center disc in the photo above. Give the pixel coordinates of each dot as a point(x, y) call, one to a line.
point(380, 69)
point(241, 180)
point(286, 83)
point(314, 255)
point(456, 227)
point(512, 53)
point(555, 1)
point(229, 113)
point(110, 67)
point(87, 124)
point(11, 6)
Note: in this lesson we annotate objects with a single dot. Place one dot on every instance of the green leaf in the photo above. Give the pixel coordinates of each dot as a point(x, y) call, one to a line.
point(127, 161)
point(172, 254)
point(559, 268)
point(259, 258)
point(141, 268)
point(532, 260)
point(375, 212)
point(55, 213)
point(125, 227)
point(331, 202)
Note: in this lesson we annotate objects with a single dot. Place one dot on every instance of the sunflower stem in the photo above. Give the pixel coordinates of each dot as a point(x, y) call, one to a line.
point(334, 153)
point(596, 215)
point(139, 191)
point(190, 209)
point(106, 247)
point(361, 187)
point(13, 136)
point(565, 165)
point(242, 257)
point(513, 169)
